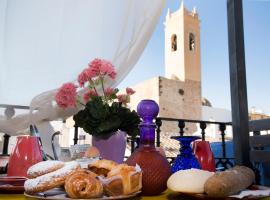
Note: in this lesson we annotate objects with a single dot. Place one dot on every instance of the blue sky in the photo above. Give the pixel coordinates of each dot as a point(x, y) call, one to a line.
point(214, 52)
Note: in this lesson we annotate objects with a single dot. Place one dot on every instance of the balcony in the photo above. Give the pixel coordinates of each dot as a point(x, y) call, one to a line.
point(222, 149)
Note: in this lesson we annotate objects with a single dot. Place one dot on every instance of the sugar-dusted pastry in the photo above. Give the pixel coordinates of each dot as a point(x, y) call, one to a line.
point(229, 182)
point(51, 180)
point(102, 167)
point(44, 167)
point(189, 181)
point(123, 180)
point(83, 184)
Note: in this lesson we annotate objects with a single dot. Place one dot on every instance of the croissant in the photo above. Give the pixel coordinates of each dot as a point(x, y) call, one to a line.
point(123, 180)
point(83, 185)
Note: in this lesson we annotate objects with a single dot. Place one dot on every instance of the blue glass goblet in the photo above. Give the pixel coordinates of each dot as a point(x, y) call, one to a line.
point(186, 159)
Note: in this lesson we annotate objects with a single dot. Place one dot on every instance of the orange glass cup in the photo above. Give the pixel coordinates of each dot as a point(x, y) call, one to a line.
point(204, 155)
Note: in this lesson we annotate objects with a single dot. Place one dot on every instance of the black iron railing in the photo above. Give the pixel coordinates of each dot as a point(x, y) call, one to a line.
point(222, 162)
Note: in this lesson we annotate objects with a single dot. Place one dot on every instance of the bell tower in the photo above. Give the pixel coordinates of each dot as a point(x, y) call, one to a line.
point(182, 45)
point(178, 94)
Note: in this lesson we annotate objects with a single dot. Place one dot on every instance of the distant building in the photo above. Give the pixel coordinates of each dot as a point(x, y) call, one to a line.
point(253, 115)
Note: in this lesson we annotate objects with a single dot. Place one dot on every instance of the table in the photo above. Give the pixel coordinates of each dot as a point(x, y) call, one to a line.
point(168, 195)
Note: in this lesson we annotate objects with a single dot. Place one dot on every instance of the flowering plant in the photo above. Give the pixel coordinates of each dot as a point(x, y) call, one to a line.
point(105, 110)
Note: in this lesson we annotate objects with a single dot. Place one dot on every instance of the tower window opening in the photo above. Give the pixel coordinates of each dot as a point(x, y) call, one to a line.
point(174, 42)
point(191, 42)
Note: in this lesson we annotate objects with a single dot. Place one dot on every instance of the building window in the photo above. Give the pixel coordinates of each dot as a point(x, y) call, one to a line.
point(174, 42)
point(191, 42)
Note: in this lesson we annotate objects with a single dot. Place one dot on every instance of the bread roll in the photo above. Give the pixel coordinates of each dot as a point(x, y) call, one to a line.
point(123, 180)
point(102, 167)
point(188, 181)
point(92, 152)
point(229, 182)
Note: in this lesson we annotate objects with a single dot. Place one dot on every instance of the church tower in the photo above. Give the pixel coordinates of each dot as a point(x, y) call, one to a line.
point(182, 45)
point(178, 94)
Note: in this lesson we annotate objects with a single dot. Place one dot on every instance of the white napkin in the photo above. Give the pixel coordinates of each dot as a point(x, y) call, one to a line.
point(256, 193)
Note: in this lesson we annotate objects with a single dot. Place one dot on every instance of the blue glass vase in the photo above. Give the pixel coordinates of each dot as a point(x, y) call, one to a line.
point(186, 159)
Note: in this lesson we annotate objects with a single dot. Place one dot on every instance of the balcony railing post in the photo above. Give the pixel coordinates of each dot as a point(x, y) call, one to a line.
point(222, 128)
point(5, 146)
point(132, 141)
point(203, 127)
point(256, 133)
point(181, 125)
point(256, 165)
point(76, 133)
point(158, 123)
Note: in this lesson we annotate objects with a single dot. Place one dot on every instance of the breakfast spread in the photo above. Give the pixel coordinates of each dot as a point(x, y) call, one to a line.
point(106, 178)
point(216, 185)
point(102, 178)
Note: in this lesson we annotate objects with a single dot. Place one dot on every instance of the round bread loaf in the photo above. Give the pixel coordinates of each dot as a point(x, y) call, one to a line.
point(92, 152)
point(189, 181)
point(229, 182)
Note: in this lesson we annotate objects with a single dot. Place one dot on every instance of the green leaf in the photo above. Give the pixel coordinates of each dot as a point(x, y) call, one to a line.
point(101, 119)
point(111, 124)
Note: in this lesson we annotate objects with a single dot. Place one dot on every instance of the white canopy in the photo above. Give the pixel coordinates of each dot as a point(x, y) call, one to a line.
point(44, 43)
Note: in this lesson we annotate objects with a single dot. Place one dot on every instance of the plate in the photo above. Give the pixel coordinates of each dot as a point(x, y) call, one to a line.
point(12, 184)
point(59, 194)
point(11, 189)
point(191, 196)
point(194, 196)
point(204, 196)
point(12, 180)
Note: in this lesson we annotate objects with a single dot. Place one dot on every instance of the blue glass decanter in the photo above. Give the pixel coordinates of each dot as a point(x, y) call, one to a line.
point(186, 159)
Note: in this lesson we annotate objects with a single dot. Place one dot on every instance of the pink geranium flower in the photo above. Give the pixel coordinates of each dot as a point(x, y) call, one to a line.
point(85, 76)
point(123, 98)
point(66, 95)
point(97, 102)
point(89, 94)
point(103, 67)
point(130, 91)
point(94, 76)
point(109, 91)
point(107, 69)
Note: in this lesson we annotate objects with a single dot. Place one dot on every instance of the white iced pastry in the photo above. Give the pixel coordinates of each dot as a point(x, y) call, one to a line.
point(188, 181)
